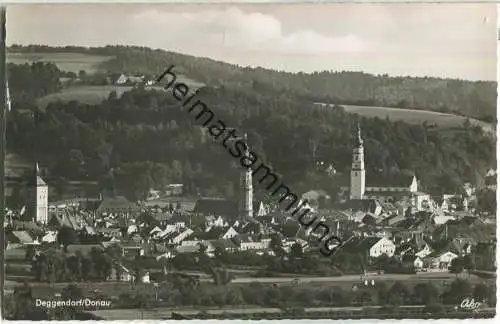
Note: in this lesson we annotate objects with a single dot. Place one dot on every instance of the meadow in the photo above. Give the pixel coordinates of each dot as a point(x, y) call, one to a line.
point(93, 95)
point(86, 94)
point(69, 62)
point(416, 116)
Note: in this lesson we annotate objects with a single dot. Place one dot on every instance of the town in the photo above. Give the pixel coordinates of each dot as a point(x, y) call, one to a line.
point(341, 167)
point(390, 230)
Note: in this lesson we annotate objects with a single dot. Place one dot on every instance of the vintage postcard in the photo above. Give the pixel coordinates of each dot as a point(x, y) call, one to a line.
point(249, 161)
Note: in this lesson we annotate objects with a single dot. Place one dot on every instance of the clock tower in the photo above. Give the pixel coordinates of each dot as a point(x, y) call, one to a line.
point(358, 173)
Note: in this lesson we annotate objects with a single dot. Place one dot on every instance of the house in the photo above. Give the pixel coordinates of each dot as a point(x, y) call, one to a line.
point(115, 205)
point(261, 210)
point(169, 254)
point(109, 232)
point(425, 251)
point(132, 229)
point(153, 194)
point(439, 261)
point(230, 233)
point(462, 245)
point(219, 222)
point(145, 278)
point(176, 237)
point(216, 207)
point(249, 242)
point(418, 263)
point(373, 247)
point(132, 249)
point(59, 220)
point(315, 195)
point(19, 238)
point(224, 245)
point(50, 237)
point(122, 79)
point(123, 275)
point(175, 189)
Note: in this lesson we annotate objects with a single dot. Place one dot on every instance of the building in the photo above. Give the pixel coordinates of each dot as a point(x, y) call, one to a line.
point(358, 174)
point(245, 211)
point(38, 197)
point(382, 187)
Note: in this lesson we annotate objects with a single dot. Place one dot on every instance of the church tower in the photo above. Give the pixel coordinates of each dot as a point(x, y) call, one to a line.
point(39, 202)
point(358, 173)
point(246, 198)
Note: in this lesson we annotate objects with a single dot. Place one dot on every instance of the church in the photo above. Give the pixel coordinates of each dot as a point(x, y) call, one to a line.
point(38, 193)
point(384, 188)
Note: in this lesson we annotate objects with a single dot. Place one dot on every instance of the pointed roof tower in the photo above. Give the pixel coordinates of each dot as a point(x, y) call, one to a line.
point(358, 140)
point(37, 180)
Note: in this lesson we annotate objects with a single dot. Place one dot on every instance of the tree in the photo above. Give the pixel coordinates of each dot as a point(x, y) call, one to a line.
point(459, 290)
point(481, 292)
point(469, 264)
point(398, 294)
point(276, 246)
point(296, 251)
point(72, 292)
point(457, 265)
point(21, 305)
point(426, 293)
point(66, 236)
point(486, 200)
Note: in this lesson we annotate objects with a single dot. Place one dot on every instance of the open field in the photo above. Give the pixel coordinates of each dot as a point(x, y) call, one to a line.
point(91, 95)
point(415, 116)
point(70, 62)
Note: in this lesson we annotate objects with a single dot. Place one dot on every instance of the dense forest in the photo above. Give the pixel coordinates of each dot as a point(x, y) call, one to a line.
point(473, 99)
point(145, 139)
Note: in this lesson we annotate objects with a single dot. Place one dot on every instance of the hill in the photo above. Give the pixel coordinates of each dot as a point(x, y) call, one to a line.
point(143, 139)
point(472, 99)
point(69, 62)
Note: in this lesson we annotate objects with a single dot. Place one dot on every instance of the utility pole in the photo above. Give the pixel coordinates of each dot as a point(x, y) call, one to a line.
point(3, 117)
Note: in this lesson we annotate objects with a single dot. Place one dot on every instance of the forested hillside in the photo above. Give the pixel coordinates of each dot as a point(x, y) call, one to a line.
point(473, 99)
point(144, 139)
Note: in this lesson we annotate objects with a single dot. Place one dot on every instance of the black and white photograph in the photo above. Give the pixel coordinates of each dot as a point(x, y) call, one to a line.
point(249, 161)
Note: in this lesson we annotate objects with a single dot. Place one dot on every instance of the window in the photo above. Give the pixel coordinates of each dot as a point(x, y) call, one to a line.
point(355, 173)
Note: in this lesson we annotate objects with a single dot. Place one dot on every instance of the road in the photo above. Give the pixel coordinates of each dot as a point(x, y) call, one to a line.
point(349, 278)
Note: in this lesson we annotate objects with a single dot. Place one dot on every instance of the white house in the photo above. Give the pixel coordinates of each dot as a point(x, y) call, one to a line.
point(132, 229)
point(145, 278)
point(381, 247)
point(418, 263)
point(440, 261)
point(50, 237)
point(122, 79)
point(167, 255)
point(182, 236)
point(261, 210)
point(230, 233)
point(426, 250)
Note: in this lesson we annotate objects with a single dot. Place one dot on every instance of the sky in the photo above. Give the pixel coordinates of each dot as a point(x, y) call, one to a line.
point(439, 40)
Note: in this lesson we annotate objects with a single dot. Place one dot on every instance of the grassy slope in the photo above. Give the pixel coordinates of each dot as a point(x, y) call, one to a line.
point(70, 62)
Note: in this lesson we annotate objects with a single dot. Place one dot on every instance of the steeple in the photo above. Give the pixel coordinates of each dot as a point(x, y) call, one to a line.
point(246, 189)
point(358, 173)
point(358, 140)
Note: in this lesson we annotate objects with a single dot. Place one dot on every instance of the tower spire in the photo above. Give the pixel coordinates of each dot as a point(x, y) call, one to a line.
point(246, 197)
point(358, 172)
point(358, 139)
